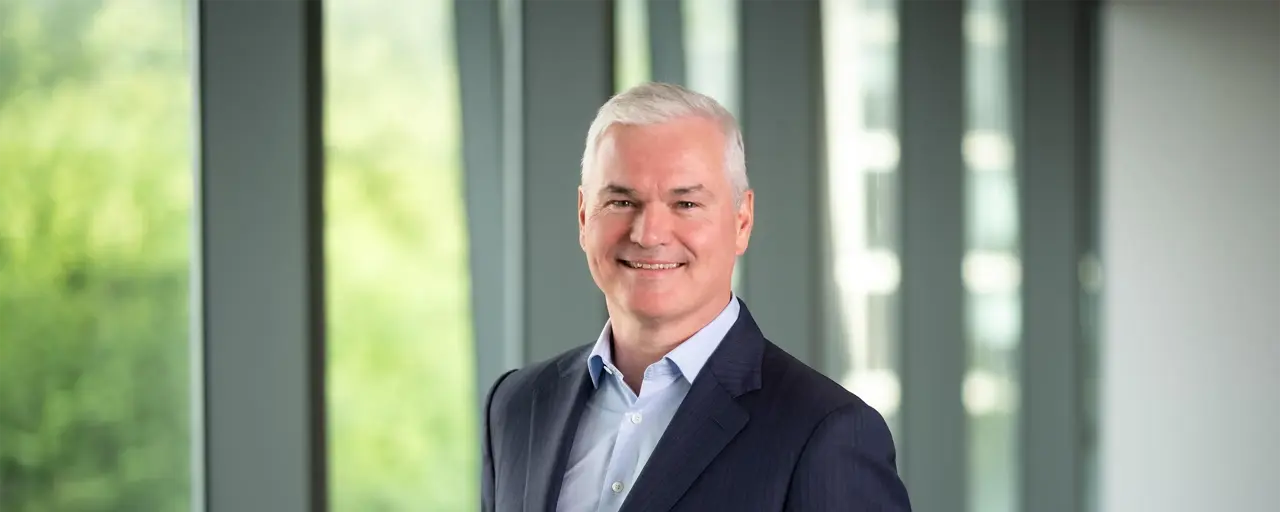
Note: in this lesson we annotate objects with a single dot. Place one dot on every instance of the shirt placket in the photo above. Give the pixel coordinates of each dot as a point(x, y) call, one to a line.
point(620, 473)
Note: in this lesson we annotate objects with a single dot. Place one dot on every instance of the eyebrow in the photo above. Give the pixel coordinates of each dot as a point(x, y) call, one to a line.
point(611, 189)
point(684, 191)
point(614, 188)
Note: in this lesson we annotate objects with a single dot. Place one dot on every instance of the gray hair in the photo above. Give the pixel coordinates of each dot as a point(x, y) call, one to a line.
point(656, 103)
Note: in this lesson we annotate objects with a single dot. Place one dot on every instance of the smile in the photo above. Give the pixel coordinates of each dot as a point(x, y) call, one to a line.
point(650, 266)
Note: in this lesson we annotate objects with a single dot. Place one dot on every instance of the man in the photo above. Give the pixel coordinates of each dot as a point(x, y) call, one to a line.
point(681, 403)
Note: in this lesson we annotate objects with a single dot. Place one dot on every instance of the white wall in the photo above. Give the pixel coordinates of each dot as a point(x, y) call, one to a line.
point(1191, 242)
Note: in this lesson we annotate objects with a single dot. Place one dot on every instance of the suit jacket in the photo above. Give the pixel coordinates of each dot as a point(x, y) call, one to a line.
point(758, 430)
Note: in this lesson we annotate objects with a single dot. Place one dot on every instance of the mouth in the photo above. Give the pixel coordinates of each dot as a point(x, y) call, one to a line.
point(649, 265)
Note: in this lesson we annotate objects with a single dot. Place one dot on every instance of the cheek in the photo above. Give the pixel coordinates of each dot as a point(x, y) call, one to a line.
point(602, 234)
point(706, 238)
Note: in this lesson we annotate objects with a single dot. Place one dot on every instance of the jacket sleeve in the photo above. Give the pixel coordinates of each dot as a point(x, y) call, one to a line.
point(487, 478)
point(848, 463)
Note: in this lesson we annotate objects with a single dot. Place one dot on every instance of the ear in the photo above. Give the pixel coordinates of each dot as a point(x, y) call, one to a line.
point(745, 220)
point(582, 220)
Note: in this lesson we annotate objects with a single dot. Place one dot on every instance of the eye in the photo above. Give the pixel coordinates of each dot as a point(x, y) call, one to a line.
point(620, 203)
point(686, 205)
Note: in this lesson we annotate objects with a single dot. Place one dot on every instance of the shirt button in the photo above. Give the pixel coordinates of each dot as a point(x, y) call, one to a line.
point(636, 418)
point(617, 487)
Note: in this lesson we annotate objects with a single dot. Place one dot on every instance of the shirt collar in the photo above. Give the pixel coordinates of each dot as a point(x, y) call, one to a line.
point(689, 356)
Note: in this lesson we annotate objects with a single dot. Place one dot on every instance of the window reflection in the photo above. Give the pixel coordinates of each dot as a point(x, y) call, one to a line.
point(860, 39)
point(632, 65)
point(992, 268)
point(712, 49)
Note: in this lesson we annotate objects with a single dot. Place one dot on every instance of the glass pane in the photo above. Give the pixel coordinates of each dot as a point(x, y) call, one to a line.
point(711, 52)
point(860, 47)
point(992, 265)
point(1090, 278)
point(401, 389)
point(96, 187)
point(631, 35)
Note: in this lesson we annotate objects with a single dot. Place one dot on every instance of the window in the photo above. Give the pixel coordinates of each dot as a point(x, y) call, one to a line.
point(992, 264)
point(96, 187)
point(402, 400)
point(860, 41)
point(712, 52)
point(631, 36)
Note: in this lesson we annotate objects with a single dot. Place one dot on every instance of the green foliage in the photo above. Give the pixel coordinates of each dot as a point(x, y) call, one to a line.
point(94, 208)
point(96, 189)
point(401, 380)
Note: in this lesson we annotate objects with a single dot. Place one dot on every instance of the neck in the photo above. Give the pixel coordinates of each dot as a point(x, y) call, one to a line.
point(639, 342)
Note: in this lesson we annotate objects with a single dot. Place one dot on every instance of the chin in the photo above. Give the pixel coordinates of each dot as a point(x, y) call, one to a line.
point(653, 305)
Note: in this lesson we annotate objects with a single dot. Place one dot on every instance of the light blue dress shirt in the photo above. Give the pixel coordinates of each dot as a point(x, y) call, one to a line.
point(619, 429)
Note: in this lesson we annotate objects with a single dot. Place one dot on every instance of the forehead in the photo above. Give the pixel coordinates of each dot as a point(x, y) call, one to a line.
point(683, 149)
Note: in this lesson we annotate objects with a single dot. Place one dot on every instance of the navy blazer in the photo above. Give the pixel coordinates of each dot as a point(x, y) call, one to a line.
point(759, 430)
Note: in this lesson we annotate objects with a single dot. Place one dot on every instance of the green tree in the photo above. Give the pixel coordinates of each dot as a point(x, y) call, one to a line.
point(95, 195)
point(96, 185)
point(401, 380)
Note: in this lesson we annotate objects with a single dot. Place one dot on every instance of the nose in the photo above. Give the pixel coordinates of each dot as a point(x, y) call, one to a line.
point(651, 227)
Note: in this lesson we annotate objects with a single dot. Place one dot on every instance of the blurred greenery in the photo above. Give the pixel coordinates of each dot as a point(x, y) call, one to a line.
point(95, 203)
point(402, 386)
point(96, 186)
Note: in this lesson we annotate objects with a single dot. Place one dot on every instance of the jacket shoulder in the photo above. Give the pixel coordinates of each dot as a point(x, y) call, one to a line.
point(514, 388)
point(795, 386)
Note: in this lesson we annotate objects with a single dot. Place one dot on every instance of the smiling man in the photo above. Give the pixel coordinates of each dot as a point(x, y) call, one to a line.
point(681, 403)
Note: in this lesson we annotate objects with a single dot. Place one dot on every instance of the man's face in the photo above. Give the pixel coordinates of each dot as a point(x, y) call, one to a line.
point(657, 219)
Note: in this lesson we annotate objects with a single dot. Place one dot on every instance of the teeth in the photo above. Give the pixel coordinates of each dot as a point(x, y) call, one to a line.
point(655, 266)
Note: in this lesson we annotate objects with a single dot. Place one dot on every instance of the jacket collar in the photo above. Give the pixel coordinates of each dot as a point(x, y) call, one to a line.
point(690, 356)
point(706, 421)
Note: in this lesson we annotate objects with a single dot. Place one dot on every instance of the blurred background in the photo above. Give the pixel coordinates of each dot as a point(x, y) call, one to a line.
point(269, 255)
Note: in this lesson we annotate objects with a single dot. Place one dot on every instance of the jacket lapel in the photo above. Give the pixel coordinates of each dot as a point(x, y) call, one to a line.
point(706, 421)
point(559, 399)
